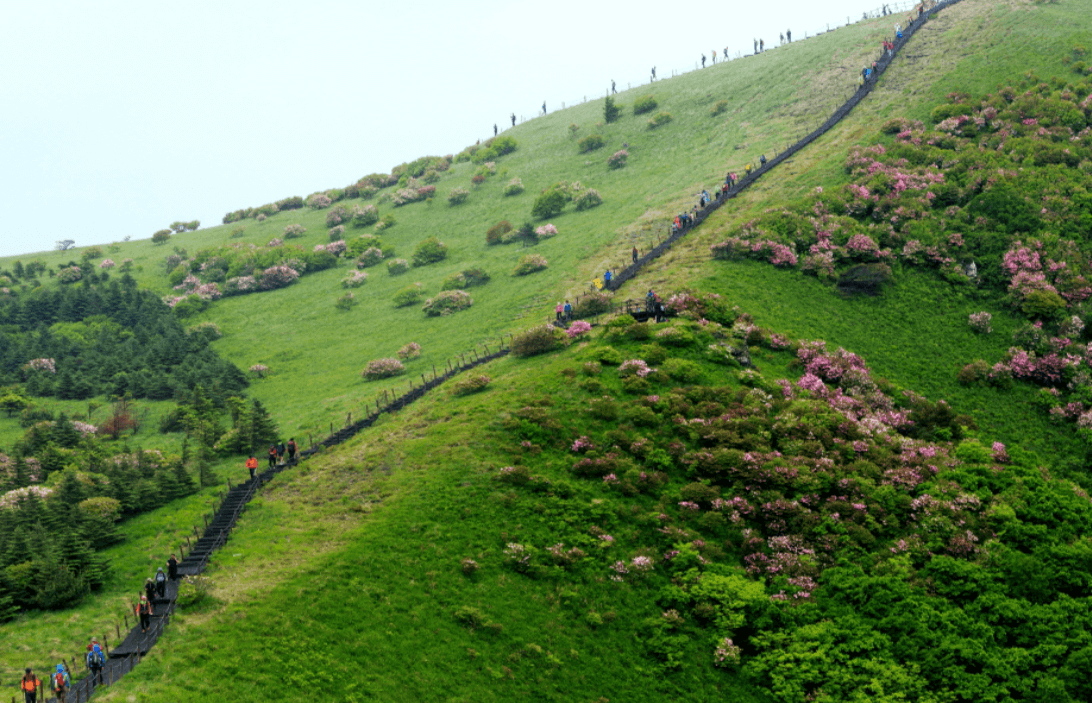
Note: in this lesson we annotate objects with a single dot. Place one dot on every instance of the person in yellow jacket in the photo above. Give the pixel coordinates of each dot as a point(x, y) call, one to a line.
point(30, 685)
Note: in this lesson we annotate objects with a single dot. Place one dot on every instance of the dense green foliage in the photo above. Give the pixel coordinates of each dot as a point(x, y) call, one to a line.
point(106, 340)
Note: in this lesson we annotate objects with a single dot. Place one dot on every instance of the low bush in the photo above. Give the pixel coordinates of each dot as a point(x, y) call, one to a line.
point(447, 302)
point(318, 201)
point(618, 159)
point(458, 195)
point(337, 233)
point(364, 216)
point(346, 302)
point(549, 204)
point(497, 232)
point(587, 199)
point(385, 222)
point(514, 187)
point(370, 257)
point(410, 350)
point(646, 104)
point(161, 237)
point(410, 295)
point(294, 231)
point(529, 264)
point(593, 304)
point(430, 251)
point(591, 143)
point(537, 340)
point(336, 216)
point(546, 231)
point(382, 368)
point(720, 108)
point(465, 279)
point(354, 279)
point(865, 278)
point(659, 120)
point(397, 266)
point(493, 149)
point(471, 384)
point(682, 370)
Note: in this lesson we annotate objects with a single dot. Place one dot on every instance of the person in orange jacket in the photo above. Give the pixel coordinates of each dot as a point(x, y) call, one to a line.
point(144, 613)
point(30, 686)
point(252, 464)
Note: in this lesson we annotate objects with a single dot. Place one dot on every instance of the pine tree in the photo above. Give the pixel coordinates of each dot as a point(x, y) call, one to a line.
point(259, 429)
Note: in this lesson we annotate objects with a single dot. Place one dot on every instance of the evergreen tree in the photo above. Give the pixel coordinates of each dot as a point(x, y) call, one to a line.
point(260, 427)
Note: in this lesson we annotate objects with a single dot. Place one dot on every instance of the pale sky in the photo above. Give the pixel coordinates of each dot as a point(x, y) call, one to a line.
point(122, 117)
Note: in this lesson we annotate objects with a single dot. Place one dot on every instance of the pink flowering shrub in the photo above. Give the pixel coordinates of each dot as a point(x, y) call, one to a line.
point(634, 367)
point(578, 328)
point(48, 365)
point(259, 370)
point(530, 264)
point(980, 322)
point(382, 368)
point(618, 159)
point(354, 279)
point(370, 257)
point(294, 231)
point(546, 231)
point(318, 201)
point(106, 264)
point(447, 302)
point(410, 350)
point(69, 274)
point(277, 277)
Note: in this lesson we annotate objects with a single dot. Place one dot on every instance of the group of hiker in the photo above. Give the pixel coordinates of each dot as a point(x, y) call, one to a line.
point(276, 455)
point(60, 679)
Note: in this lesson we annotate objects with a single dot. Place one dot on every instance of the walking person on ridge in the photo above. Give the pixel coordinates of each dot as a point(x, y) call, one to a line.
point(252, 465)
point(292, 447)
point(172, 568)
point(96, 661)
point(160, 583)
point(144, 613)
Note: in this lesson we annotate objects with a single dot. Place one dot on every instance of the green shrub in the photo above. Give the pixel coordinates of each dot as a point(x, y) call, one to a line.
point(491, 150)
point(385, 222)
point(611, 112)
point(593, 304)
point(587, 199)
point(370, 257)
point(682, 370)
point(1043, 305)
point(497, 231)
point(530, 264)
point(659, 120)
point(465, 279)
point(364, 216)
point(471, 384)
point(410, 295)
point(397, 266)
point(591, 143)
point(646, 104)
point(943, 112)
point(447, 302)
point(514, 187)
point(430, 251)
point(537, 340)
point(549, 204)
point(458, 195)
point(720, 108)
point(161, 237)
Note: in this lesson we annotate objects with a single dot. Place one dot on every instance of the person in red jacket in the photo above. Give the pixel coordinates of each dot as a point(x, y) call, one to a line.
point(252, 464)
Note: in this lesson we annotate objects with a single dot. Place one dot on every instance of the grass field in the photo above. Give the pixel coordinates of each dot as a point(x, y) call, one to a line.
point(347, 569)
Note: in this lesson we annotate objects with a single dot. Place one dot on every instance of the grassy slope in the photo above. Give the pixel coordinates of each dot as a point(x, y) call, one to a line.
point(917, 335)
point(408, 481)
point(316, 353)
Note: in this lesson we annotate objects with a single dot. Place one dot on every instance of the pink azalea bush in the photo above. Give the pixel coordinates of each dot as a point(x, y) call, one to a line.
point(410, 350)
point(354, 279)
point(106, 264)
point(48, 365)
point(259, 370)
point(530, 264)
point(578, 328)
point(382, 368)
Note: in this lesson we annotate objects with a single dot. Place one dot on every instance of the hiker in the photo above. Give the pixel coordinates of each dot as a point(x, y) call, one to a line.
point(761, 45)
point(634, 254)
point(747, 170)
point(544, 107)
point(607, 276)
point(96, 660)
point(782, 37)
point(30, 686)
point(762, 159)
point(756, 47)
point(272, 455)
point(714, 56)
point(144, 613)
point(653, 73)
point(703, 60)
point(160, 583)
point(172, 568)
point(513, 119)
point(252, 465)
point(149, 590)
point(568, 311)
point(650, 300)
point(612, 90)
point(725, 53)
point(705, 195)
point(281, 449)
point(59, 683)
point(558, 310)
point(292, 447)
point(494, 129)
point(788, 35)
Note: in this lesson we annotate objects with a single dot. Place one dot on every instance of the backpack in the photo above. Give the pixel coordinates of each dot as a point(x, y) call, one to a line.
point(59, 680)
point(95, 659)
point(160, 576)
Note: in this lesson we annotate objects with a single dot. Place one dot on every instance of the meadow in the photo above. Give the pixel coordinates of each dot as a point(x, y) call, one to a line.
point(349, 569)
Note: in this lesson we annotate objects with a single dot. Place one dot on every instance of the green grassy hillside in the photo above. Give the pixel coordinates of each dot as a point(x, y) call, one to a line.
point(349, 569)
